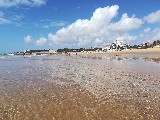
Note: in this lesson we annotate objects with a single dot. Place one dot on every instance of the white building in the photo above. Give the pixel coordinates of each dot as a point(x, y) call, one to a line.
point(107, 47)
point(52, 51)
point(117, 45)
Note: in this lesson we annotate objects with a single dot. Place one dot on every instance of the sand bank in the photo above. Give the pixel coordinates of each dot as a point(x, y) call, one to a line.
point(132, 51)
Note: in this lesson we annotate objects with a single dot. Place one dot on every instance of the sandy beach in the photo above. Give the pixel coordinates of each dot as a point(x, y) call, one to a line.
point(79, 59)
point(83, 86)
point(132, 51)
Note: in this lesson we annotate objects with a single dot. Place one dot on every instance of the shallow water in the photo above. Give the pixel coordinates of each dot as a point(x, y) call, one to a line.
point(79, 87)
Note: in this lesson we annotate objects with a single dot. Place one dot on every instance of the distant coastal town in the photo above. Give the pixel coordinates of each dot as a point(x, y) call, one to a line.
point(115, 46)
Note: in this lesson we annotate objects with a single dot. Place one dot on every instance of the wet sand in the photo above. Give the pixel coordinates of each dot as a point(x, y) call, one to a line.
point(77, 87)
point(59, 102)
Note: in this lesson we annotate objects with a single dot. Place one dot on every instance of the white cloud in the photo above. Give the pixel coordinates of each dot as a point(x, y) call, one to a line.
point(4, 21)
point(54, 24)
point(156, 34)
point(28, 39)
point(153, 17)
point(149, 36)
point(147, 30)
point(98, 29)
point(1, 14)
point(126, 38)
point(126, 24)
point(98, 41)
point(83, 30)
point(40, 42)
point(11, 3)
point(15, 19)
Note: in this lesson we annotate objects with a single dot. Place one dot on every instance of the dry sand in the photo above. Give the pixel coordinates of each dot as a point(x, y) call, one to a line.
point(132, 51)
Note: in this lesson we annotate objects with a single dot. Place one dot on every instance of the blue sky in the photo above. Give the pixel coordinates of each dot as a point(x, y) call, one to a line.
point(53, 24)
